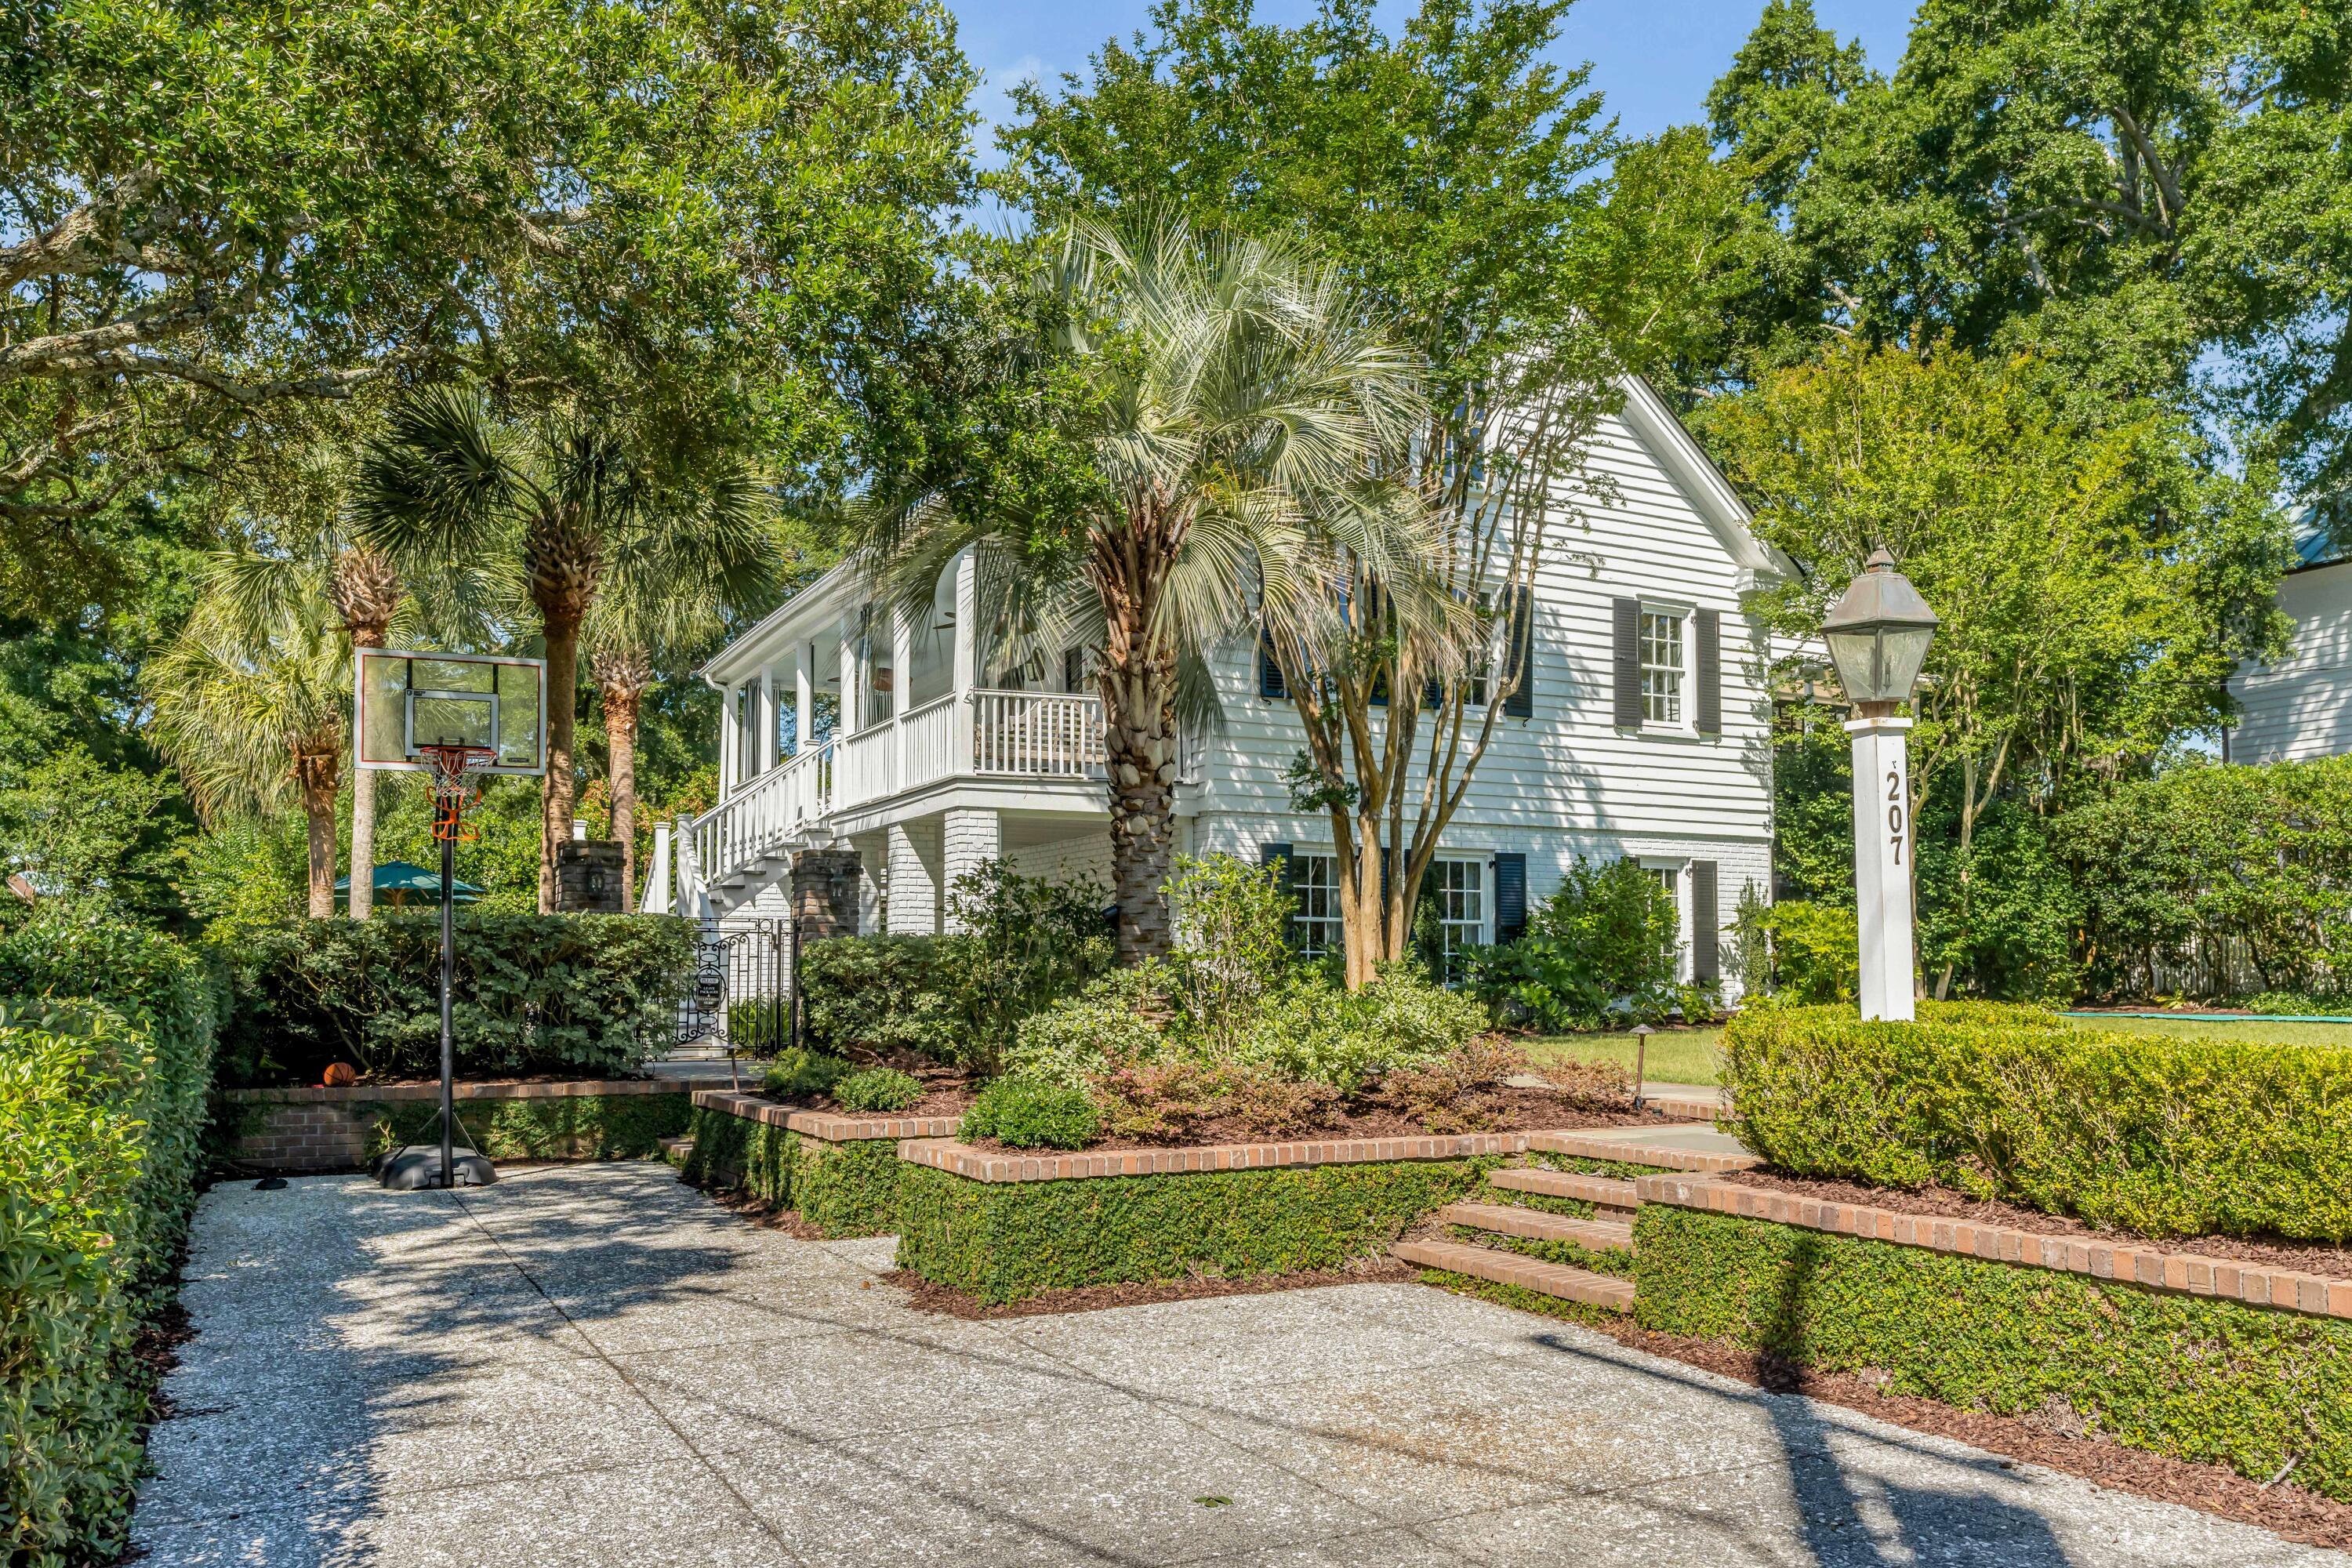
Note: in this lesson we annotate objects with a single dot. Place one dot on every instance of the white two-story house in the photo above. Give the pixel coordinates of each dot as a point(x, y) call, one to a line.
point(1645, 730)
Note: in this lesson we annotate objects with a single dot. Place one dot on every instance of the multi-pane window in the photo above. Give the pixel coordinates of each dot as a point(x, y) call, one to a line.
point(1662, 667)
point(1461, 907)
point(1315, 878)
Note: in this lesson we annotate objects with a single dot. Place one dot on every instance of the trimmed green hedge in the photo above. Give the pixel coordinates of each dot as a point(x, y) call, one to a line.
point(2193, 1378)
point(1005, 1240)
point(106, 1044)
point(576, 1127)
point(843, 1189)
point(589, 996)
point(2160, 1135)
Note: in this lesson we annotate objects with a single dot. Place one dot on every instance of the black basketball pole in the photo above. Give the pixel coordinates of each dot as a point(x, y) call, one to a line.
point(448, 1039)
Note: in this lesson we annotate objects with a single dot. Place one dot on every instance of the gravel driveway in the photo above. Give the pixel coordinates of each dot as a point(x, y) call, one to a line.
point(593, 1364)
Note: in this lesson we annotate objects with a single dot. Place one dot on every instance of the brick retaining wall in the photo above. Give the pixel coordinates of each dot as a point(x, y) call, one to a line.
point(2137, 1263)
point(310, 1127)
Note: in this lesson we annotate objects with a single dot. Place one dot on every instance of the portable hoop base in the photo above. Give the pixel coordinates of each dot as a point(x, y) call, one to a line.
point(456, 784)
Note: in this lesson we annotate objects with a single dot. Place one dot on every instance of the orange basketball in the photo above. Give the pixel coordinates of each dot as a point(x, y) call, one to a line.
point(340, 1074)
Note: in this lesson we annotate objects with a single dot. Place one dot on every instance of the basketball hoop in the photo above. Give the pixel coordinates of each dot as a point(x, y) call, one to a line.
point(458, 773)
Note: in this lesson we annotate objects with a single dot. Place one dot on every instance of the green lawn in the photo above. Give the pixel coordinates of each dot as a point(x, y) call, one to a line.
point(1675, 1056)
point(2248, 1030)
point(1687, 1055)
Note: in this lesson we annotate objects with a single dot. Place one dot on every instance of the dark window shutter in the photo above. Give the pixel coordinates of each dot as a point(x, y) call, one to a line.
point(1269, 672)
point(1625, 629)
point(1510, 897)
point(1074, 669)
point(1521, 702)
point(1278, 854)
point(1710, 632)
point(1706, 924)
point(1433, 693)
point(1380, 697)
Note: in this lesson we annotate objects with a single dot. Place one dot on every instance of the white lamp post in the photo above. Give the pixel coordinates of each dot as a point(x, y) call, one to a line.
point(1878, 634)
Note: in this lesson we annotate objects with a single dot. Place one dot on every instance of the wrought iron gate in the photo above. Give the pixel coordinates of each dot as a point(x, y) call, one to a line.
point(743, 992)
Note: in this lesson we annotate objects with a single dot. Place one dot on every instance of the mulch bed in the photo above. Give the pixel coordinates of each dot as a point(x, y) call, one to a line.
point(926, 1296)
point(947, 1091)
point(2285, 1508)
point(1943, 1203)
point(1509, 1111)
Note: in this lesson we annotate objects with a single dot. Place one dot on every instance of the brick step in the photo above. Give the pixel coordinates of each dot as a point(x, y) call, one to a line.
point(1599, 1234)
point(1526, 1273)
point(1724, 1155)
point(1605, 1193)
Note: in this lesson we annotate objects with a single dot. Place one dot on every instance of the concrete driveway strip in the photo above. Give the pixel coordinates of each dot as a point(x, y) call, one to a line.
point(594, 1365)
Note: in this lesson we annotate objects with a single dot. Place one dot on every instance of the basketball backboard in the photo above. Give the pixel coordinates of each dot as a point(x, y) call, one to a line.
point(407, 698)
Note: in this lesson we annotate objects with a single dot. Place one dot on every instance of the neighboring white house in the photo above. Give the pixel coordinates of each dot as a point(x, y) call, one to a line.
point(1645, 732)
point(2301, 706)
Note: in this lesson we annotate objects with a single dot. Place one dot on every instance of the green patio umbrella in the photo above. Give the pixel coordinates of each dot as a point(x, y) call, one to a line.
point(397, 882)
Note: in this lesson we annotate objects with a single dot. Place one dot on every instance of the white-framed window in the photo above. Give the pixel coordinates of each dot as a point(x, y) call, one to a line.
point(1316, 880)
point(1460, 906)
point(1662, 650)
point(1669, 874)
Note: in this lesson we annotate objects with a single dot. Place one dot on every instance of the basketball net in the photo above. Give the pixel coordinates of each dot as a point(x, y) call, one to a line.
point(458, 773)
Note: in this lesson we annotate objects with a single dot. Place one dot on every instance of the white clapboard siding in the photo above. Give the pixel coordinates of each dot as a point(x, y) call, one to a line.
point(2301, 706)
point(1567, 766)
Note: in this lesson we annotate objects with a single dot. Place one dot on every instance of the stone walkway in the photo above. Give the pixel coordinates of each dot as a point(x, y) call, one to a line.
point(591, 1365)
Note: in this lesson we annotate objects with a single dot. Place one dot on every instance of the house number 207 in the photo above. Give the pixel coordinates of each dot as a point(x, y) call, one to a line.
point(1894, 810)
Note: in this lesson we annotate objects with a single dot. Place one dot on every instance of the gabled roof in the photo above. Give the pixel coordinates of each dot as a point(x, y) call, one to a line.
point(1702, 483)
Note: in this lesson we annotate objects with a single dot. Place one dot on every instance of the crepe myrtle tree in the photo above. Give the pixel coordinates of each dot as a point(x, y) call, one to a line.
point(1231, 400)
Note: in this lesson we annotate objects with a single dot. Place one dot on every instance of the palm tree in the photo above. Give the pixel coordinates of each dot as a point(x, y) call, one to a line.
point(254, 708)
point(669, 590)
point(450, 484)
point(1238, 403)
point(303, 547)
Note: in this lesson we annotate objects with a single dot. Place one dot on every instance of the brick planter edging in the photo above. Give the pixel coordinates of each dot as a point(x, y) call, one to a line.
point(505, 1089)
point(1629, 1153)
point(2150, 1267)
point(986, 1165)
point(825, 1127)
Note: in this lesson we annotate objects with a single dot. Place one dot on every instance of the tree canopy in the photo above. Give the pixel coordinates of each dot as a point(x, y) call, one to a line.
point(220, 219)
point(2157, 193)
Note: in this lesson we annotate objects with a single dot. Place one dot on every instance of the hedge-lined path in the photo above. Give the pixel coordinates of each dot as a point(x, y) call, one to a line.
point(593, 1364)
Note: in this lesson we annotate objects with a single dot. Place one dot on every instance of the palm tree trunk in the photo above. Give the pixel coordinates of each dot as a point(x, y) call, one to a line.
point(621, 768)
point(365, 590)
point(1140, 748)
point(363, 897)
point(316, 774)
point(561, 784)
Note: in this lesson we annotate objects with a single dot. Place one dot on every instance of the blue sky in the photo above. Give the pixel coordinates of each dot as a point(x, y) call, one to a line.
point(1652, 59)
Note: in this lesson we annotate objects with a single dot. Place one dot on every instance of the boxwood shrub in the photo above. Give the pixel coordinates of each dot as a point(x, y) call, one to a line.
point(106, 1042)
point(843, 1189)
point(1005, 1240)
point(2158, 1134)
point(594, 995)
point(2193, 1378)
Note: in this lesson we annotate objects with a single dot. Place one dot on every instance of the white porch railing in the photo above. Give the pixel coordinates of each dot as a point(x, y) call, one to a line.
point(1043, 735)
point(927, 750)
point(761, 815)
point(1022, 735)
point(868, 768)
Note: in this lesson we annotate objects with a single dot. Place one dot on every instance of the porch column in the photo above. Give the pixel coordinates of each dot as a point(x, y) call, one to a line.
point(965, 672)
point(851, 626)
point(767, 747)
point(970, 837)
point(902, 685)
point(803, 696)
point(728, 733)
